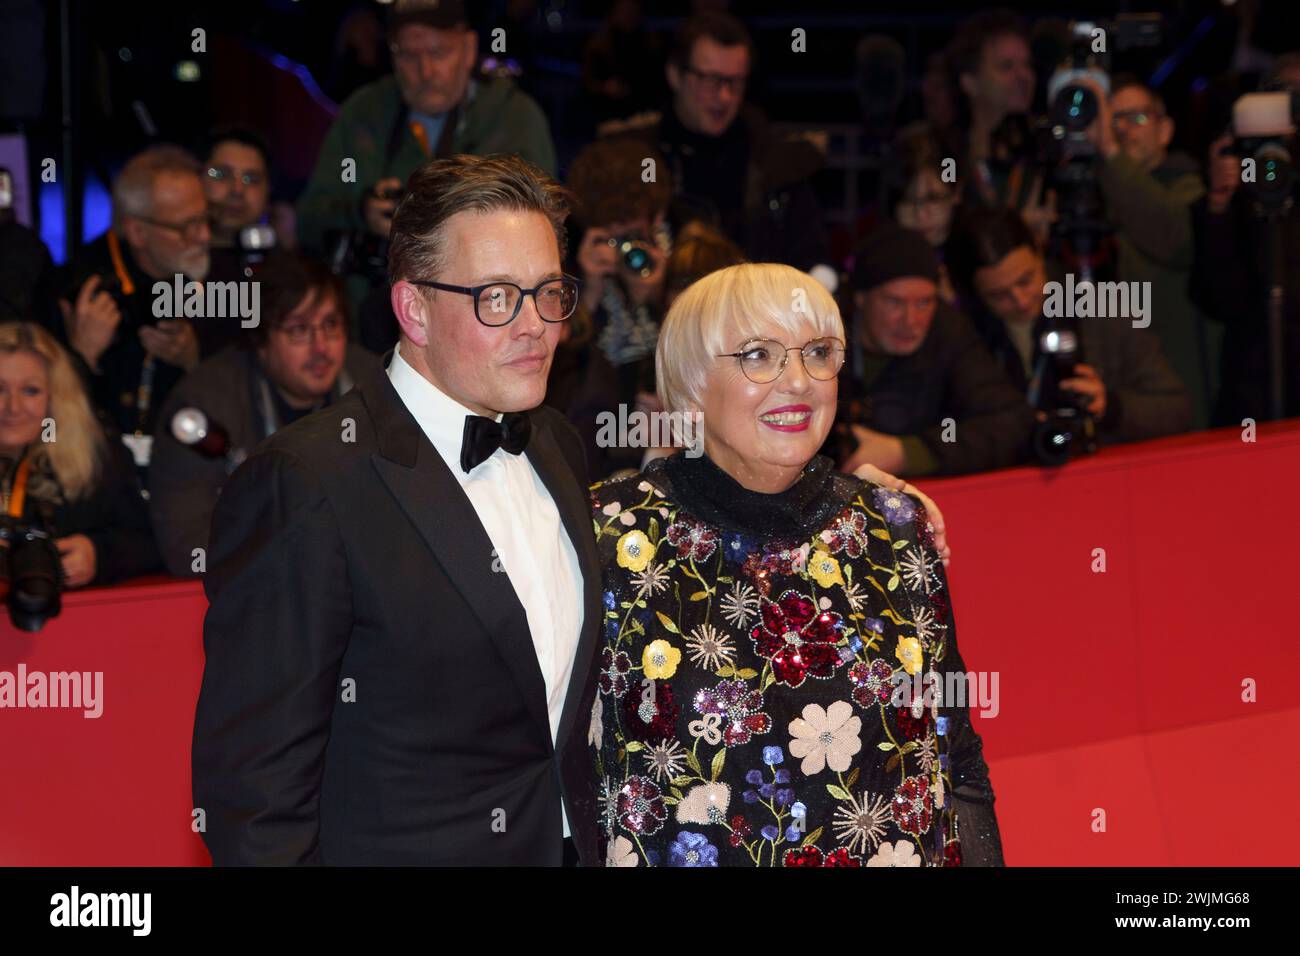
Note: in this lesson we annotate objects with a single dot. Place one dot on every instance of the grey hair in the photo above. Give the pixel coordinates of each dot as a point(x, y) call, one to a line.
point(133, 188)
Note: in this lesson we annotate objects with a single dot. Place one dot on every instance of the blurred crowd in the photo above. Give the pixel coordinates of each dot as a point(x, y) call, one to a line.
point(954, 364)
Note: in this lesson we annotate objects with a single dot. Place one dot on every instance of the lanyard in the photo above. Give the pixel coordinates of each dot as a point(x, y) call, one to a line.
point(15, 498)
point(144, 391)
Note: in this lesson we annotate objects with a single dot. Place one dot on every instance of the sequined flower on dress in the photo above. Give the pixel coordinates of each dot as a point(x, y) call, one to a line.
point(826, 736)
point(811, 856)
point(797, 639)
point(895, 854)
point(896, 508)
point(641, 807)
point(847, 534)
point(692, 540)
point(739, 604)
point(692, 849)
point(739, 707)
point(706, 803)
point(913, 805)
point(872, 683)
point(650, 715)
point(614, 666)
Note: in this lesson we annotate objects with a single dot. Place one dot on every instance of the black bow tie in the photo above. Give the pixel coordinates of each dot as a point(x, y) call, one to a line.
point(483, 436)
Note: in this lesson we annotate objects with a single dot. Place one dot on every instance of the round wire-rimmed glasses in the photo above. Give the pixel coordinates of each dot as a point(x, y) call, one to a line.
point(497, 303)
point(763, 360)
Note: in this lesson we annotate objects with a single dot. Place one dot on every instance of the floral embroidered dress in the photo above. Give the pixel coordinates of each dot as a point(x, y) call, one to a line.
point(772, 675)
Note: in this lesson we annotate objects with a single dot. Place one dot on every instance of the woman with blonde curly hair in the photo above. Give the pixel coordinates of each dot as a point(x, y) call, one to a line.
point(778, 642)
point(59, 471)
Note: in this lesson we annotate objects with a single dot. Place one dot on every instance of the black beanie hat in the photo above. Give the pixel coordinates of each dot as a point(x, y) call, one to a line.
point(892, 252)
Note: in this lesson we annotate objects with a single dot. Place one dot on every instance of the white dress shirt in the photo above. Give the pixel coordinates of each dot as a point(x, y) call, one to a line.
point(530, 541)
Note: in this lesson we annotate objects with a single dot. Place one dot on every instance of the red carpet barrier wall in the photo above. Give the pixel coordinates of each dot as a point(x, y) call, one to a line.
point(1119, 693)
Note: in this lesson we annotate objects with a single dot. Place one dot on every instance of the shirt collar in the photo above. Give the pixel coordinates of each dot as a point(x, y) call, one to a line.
point(440, 417)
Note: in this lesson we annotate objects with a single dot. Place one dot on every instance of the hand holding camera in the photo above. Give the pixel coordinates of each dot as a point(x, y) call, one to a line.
point(379, 205)
point(173, 341)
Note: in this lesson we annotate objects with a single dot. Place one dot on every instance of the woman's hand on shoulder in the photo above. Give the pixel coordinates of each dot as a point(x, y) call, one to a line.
point(872, 473)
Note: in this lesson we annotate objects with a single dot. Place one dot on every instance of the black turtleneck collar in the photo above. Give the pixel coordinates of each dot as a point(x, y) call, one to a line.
point(707, 492)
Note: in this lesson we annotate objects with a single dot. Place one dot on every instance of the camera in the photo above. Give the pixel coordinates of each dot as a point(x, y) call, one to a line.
point(361, 251)
point(254, 243)
point(634, 255)
point(1068, 430)
point(1263, 127)
point(1060, 142)
point(34, 572)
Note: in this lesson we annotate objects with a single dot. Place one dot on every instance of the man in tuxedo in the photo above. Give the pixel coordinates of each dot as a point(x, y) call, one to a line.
point(404, 586)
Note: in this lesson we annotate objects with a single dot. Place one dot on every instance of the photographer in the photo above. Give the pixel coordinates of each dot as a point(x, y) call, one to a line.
point(607, 358)
point(728, 167)
point(1231, 282)
point(298, 361)
point(59, 472)
point(916, 362)
point(992, 68)
point(432, 105)
point(130, 358)
point(1123, 383)
point(237, 182)
point(1149, 193)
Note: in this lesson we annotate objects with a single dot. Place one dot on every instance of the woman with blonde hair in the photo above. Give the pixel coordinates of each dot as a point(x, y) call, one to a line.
point(59, 472)
point(777, 635)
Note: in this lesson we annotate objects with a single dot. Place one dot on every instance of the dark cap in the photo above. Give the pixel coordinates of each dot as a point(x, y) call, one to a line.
point(437, 14)
point(891, 252)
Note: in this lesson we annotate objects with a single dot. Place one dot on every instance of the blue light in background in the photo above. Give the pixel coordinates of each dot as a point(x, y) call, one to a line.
point(96, 215)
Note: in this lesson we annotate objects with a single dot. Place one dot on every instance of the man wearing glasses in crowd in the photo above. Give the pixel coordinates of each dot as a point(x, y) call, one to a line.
point(1149, 192)
point(131, 358)
point(728, 167)
point(298, 360)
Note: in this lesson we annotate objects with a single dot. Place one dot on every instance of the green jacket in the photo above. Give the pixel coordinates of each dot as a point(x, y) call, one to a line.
point(499, 118)
point(1152, 213)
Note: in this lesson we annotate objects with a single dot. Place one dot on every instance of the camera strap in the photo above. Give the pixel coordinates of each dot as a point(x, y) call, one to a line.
point(119, 264)
point(16, 496)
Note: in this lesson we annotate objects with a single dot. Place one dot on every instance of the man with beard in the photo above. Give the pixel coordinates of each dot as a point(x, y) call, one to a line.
point(434, 104)
point(130, 358)
point(297, 360)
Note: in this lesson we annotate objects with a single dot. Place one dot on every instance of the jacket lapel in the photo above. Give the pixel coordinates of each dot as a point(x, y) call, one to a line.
point(436, 504)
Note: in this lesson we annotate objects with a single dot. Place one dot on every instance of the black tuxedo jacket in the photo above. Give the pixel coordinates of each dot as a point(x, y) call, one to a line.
point(371, 694)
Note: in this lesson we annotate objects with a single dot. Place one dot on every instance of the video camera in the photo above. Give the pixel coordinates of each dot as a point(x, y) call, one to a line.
point(1061, 144)
point(1263, 130)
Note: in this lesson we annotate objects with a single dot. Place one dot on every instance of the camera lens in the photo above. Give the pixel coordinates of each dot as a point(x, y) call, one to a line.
point(635, 257)
point(1074, 109)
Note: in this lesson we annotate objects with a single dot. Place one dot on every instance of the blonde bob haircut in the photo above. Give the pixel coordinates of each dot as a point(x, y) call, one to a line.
point(77, 454)
point(720, 312)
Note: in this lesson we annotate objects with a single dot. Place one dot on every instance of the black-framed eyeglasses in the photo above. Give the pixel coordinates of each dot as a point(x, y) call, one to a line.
point(717, 82)
point(191, 229)
point(221, 174)
point(763, 360)
point(497, 303)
